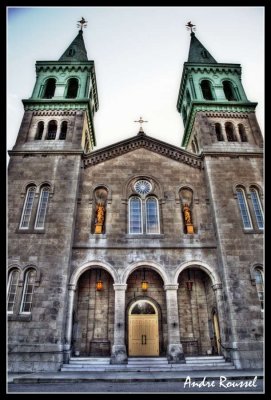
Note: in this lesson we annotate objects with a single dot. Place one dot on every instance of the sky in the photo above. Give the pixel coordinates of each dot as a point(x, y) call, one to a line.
point(139, 54)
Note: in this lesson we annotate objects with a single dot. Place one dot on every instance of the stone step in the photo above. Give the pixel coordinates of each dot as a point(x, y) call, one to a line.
point(90, 359)
point(205, 358)
point(123, 368)
point(204, 361)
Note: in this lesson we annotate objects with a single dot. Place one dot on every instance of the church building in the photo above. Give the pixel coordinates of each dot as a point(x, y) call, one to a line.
point(141, 248)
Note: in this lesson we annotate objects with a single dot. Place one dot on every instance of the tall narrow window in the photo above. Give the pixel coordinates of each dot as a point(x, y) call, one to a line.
point(242, 133)
point(152, 217)
point(28, 205)
point(229, 91)
point(12, 289)
point(52, 128)
point(218, 132)
point(63, 130)
point(230, 132)
point(258, 275)
point(257, 207)
point(28, 291)
point(40, 129)
point(135, 215)
point(72, 88)
point(207, 90)
point(43, 202)
point(50, 88)
point(243, 208)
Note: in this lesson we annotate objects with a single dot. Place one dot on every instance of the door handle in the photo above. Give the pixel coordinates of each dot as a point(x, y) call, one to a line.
point(145, 342)
point(142, 339)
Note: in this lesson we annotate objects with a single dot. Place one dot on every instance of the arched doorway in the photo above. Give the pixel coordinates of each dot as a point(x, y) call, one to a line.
point(93, 314)
point(143, 332)
point(198, 319)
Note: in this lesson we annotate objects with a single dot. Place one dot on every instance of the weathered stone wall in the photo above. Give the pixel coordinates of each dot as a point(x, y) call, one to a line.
point(36, 340)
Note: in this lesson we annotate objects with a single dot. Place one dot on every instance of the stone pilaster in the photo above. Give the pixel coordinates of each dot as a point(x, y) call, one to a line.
point(68, 333)
point(174, 349)
point(119, 353)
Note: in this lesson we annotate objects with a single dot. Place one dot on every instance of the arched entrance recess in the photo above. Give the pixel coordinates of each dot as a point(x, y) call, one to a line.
point(143, 331)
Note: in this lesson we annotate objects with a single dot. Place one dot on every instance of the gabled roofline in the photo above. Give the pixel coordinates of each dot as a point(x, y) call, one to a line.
point(142, 141)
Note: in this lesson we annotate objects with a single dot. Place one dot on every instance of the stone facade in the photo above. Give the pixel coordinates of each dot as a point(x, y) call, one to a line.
point(192, 277)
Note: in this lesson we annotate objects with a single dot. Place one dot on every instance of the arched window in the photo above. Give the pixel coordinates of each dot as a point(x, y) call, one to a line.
point(257, 207)
point(206, 88)
point(258, 275)
point(218, 132)
point(52, 128)
point(184, 115)
point(135, 215)
point(43, 202)
point(188, 97)
point(12, 289)
point(242, 133)
point(40, 129)
point(50, 88)
point(152, 215)
point(29, 284)
point(28, 205)
point(229, 91)
point(243, 208)
point(63, 130)
point(230, 132)
point(72, 88)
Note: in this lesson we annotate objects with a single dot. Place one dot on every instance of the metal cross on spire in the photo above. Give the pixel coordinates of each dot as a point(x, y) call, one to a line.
point(190, 26)
point(82, 24)
point(140, 121)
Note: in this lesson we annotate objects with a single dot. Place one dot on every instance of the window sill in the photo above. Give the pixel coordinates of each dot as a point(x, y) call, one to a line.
point(19, 317)
point(144, 236)
point(30, 231)
point(261, 231)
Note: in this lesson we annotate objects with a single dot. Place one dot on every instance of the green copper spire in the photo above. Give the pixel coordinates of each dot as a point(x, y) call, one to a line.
point(76, 50)
point(198, 53)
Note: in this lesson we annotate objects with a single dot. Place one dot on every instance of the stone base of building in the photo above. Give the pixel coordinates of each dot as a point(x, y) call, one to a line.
point(119, 355)
point(248, 355)
point(34, 362)
point(175, 354)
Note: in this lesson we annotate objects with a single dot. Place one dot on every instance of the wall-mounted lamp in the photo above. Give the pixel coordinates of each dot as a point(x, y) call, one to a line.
point(144, 283)
point(99, 283)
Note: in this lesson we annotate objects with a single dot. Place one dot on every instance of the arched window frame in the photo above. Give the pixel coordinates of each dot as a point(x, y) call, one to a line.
point(51, 135)
point(231, 126)
point(210, 89)
point(12, 289)
point(218, 131)
point(63, 130)
point(259, 283)
point(242, 133)
point(28, 207)
point(243, 208)
point(132, 198)
point(28, 290)
point(232, 88)
point(257, 207)
point(69, 83)
point(47, 82)
point(40, 130)
point(42, 207)
point(148, 199)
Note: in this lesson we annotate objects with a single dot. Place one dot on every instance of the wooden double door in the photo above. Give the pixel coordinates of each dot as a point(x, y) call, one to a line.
point(143, 335)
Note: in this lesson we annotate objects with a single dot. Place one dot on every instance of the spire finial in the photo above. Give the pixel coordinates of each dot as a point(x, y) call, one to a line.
point(141, 121)
point(82, 24)
point(191, 26)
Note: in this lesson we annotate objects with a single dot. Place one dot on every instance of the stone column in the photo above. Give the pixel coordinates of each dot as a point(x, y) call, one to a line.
point(119, 354)
point(174, 349)
point(68, 333)
point(234, 354)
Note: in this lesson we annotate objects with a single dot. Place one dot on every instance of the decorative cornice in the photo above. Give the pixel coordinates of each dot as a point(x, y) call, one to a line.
point(43, 66)
point(29, 152)
point(146, 142)
point(229, 110)
point(55, 112)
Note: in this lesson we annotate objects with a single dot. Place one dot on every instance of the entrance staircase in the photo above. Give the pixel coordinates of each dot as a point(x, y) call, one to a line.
point(138, 364)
